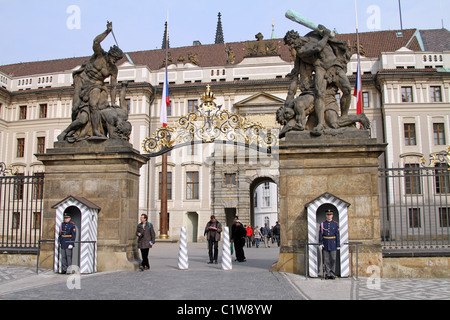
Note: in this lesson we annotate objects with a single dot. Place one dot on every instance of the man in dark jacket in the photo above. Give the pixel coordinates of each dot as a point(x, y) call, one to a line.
point(213, 230)
point(146, 240)
point(276, 233)
point(239, 235)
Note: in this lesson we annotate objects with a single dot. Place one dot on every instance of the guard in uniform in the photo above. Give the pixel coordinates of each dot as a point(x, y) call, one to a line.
point(330, 241)
point(67, 234)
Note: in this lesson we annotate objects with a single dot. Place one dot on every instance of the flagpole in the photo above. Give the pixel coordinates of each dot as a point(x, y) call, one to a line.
point(164, 216)
point(400, 11)
point(357, 32)
point(358, 54)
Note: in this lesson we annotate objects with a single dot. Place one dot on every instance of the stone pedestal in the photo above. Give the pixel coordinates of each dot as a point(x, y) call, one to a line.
point(105, 172)
point(344, 165)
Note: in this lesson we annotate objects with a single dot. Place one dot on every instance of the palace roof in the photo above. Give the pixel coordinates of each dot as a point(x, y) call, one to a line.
point(214, 55)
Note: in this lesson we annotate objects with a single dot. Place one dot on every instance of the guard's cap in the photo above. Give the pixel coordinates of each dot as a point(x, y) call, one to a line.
point(329, 211)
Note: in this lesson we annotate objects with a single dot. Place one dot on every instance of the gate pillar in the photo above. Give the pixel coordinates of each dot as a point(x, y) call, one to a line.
point(345, 165)
point(107, 173)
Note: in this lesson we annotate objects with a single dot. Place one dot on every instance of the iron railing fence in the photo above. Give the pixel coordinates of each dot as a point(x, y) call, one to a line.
point(415, 208)
point(21, 205)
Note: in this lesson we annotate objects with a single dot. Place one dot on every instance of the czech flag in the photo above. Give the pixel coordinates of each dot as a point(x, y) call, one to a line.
point(165, 102)
point(358, 92)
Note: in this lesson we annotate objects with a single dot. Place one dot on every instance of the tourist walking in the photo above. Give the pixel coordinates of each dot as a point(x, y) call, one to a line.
point(276, 233)
point(249, 236)
point(266, 235)
point(257, 235)
point(146, 240)
point(213, 230)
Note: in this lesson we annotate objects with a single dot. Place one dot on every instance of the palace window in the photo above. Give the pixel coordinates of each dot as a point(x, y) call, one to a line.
point(38, 186)
point(230, 179)
point(40, 145)
point(192, 185)
point(18, 187)
point(36, 220)
point(407, 95)
point(16, 220)
point(414, 218)
point(20, 147)
point(366, 100)
point(128, 102)
point(442, 181)
point(436, 95)
point(444, 215)
point(22, 112)
point(192, 105)
point(439, 134)
point(42, 111)
point(412, 179)
point(410, 134)
point(266, 194)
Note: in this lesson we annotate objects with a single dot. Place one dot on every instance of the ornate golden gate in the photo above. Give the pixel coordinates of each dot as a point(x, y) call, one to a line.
point(207, 125)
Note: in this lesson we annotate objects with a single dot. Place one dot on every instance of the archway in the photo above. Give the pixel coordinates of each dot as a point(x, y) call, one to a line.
point(263, 202)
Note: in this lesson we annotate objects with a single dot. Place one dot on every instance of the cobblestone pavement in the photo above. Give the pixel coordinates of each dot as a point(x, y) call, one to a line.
point(250, 280)
point(371, 289)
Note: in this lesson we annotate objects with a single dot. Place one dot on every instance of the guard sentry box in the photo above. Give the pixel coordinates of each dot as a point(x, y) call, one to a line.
point(84, 214)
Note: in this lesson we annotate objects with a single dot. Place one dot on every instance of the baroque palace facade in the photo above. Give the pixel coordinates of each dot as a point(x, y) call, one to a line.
point(406, 96)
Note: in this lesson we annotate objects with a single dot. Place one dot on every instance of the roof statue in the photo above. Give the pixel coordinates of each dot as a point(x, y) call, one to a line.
point(319, 72)
point(92, 115)
point(261, 47)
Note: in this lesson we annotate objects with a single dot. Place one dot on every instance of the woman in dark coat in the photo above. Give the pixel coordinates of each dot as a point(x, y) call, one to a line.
point(239, 235)
point(146, 240)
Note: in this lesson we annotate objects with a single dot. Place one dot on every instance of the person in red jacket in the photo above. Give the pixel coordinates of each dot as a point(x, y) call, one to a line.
point(249, 236)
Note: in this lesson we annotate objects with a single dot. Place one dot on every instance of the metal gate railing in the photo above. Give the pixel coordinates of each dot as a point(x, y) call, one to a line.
point(415, 208)
point(21, 208)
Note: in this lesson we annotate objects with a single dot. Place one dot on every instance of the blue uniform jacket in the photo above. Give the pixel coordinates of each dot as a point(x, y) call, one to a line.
point(67, 232)
point(329, 235)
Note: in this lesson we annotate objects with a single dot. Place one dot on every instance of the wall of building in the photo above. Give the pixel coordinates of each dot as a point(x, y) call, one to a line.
point(255, 87)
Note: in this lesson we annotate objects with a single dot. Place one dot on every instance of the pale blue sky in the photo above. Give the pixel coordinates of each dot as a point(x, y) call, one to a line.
point(37, 30)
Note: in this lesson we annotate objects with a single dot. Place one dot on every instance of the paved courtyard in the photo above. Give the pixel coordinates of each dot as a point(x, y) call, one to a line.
point(250, 280)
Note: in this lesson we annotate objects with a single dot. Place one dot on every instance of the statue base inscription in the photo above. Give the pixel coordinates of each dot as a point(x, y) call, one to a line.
point(105, 172)
point(345, 165)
